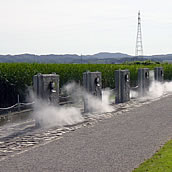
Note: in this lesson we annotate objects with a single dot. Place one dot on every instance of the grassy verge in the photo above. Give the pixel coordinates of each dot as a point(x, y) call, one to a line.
point(160, 162)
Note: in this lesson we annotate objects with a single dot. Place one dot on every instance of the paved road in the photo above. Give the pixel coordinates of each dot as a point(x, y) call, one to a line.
point(119, 143)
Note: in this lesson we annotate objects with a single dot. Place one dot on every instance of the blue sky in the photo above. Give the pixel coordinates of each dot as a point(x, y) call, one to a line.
point(84, 26)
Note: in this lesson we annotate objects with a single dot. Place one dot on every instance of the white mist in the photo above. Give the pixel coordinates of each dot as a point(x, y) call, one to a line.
point(48, 115)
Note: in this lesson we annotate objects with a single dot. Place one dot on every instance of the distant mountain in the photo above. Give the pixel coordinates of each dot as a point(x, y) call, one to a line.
point(32, 58)
point(102, 57)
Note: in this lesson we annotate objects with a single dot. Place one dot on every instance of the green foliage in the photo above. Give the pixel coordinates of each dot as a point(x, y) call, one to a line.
point(17, 76)
point(147, 62)
point(21, 74)
point(160, 162)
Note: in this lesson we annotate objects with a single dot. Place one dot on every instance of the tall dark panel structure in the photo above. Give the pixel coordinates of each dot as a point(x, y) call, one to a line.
point(92, 82)
point(159, 74)
point(46, 87)
point(143, 81)
point(122, 86)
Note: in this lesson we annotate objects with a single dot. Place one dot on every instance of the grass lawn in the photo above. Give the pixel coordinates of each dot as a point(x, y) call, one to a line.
point(160, 162)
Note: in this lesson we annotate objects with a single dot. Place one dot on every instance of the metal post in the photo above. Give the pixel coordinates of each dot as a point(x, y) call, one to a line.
point(159, 74)
point(46, 87)
point(143, 81)
point(92, 82)
point(122, 86)
point(18, 102)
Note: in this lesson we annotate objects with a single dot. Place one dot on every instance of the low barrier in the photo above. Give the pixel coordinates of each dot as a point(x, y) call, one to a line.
point(16, 108)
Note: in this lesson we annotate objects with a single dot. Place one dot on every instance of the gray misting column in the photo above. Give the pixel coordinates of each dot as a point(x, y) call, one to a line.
point(159, 74)
point(92, 82)
point(143, 81)
point(122, 86)
point(46, 87)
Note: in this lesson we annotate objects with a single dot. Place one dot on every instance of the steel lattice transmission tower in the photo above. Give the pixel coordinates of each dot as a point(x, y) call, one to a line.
point(139, 46)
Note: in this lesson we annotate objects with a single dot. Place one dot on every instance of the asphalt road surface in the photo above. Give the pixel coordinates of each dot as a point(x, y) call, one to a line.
point(116, 144)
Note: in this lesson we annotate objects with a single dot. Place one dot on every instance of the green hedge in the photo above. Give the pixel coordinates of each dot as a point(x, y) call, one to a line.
point(16, 77)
